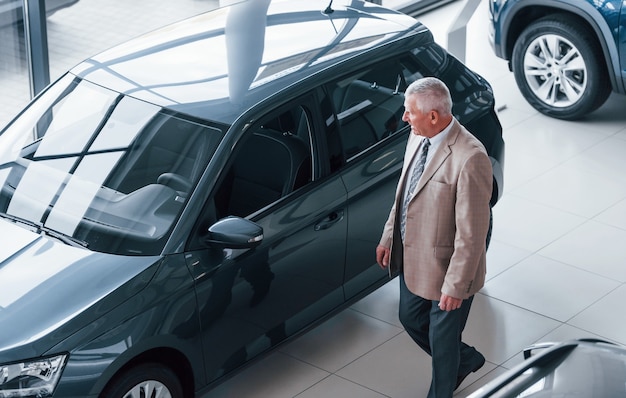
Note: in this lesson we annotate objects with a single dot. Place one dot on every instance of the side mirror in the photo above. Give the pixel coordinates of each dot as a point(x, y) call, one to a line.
point(235, 233)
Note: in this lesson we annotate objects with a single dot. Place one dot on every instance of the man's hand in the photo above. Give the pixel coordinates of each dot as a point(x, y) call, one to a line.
point(382, 256)
point(447, 303)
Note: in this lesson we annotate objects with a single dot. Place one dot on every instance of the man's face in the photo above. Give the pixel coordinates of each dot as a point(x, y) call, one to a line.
point(419, 121)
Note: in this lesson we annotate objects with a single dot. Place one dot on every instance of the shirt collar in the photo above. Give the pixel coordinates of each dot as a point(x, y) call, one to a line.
point(439, 138)
point(436, 141)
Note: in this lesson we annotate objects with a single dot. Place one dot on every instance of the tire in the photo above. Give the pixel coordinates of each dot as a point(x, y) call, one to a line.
point(149, 380)
point(567, 83)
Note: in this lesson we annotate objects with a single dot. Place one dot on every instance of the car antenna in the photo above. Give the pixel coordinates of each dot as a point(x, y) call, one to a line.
point(329, 8)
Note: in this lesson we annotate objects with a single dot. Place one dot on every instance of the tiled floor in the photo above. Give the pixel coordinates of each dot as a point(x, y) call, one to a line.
point(556, 265)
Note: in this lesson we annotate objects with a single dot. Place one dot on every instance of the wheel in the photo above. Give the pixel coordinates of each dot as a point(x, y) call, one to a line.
point(145, 381)
point(559, 68)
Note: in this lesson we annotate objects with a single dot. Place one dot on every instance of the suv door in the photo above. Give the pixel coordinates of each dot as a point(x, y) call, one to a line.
point(249, 300)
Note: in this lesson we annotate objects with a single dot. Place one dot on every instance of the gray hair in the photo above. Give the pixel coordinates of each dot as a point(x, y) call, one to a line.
point(433, 93)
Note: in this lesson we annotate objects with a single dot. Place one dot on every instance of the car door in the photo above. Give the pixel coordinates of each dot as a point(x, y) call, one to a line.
point(251, 299)
point(369, 104)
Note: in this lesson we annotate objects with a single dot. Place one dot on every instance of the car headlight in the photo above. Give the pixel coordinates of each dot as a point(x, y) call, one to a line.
point(33, 378)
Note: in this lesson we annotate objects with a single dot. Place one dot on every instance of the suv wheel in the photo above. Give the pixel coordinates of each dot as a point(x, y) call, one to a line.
point(559, 68)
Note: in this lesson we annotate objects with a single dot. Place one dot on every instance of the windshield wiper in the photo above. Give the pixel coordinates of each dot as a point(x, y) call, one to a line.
point(60, 236)
point(41, 230)
point(24, 222)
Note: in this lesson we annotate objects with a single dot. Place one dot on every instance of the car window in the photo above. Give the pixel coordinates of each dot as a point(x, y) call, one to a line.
point(104, 169)
point(273, 160)
point(369, 104)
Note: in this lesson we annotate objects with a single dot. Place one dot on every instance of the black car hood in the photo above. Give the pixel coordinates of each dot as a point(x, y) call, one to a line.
point(46, 288)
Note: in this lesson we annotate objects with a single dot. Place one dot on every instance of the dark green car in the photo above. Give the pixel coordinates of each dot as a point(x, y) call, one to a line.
point(179, 204)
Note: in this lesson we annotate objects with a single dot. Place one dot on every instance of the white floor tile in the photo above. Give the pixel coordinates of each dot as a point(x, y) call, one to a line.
point(605, 158)
point(605, 317)
point(397, 368)
point(593, 246)
point(614, 215)
point(507, 93)
point(502, 256)
point(276, 376)
point(519, 170)
point(334, 386)
point(340, 340)
point(610, 116)
point(382, 304)
point(509, 116)
point(500, 330)
point(572, 190)
point(551, 139)
point(528, 225)
point(547, 287)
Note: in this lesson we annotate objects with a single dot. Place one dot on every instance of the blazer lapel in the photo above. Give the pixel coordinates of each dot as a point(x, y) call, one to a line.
point(439, 156)
point(410, 153)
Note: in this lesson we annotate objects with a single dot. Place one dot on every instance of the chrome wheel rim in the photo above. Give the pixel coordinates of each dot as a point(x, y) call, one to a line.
point(149, 389)
point(555, 70)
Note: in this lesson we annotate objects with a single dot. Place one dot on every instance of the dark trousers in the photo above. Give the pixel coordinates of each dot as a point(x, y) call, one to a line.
point(439, 334)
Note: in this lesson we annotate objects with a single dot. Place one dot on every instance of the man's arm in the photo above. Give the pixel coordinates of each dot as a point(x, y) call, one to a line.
point(382, 256)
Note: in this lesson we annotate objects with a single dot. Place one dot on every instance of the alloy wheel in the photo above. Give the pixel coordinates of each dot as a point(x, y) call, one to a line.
point(555, 70)
point(149, 389)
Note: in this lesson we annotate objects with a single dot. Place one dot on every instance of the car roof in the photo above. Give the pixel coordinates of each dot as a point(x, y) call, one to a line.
point(216, 65)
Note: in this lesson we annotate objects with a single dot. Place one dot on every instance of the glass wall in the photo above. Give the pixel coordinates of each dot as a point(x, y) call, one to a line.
point(14, 89)
point(77, 29)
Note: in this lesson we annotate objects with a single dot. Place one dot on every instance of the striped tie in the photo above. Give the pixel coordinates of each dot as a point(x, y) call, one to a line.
point(418, 169)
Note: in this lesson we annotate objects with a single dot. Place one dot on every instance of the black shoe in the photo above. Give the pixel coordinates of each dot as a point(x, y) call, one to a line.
point(479, 364)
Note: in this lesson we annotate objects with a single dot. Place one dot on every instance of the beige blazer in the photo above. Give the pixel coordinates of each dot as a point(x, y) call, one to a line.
point(447, 219)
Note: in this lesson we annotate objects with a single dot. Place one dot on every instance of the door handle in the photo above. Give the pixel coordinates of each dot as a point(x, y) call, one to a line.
point(329, 220)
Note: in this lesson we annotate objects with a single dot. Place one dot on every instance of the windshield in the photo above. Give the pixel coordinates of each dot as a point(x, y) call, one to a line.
point(107, 170)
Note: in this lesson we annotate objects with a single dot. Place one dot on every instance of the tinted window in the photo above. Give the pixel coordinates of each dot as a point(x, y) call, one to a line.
point(104, 169)
point(369, 104)
point(273, 160)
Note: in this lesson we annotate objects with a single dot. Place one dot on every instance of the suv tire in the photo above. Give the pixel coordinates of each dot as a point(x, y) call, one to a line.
point(567, 83)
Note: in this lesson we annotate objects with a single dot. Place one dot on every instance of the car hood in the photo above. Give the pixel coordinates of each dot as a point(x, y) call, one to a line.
point(46, 288)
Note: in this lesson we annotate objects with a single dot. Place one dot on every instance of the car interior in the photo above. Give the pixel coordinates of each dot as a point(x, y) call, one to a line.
point(272, 162)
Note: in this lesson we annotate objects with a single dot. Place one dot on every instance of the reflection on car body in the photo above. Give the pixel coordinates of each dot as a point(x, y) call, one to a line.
point(413, 7)
point(577, 368)
point(223, 187)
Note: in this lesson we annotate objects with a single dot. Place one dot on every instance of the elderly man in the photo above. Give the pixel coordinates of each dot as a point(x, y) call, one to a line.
point(435, 236)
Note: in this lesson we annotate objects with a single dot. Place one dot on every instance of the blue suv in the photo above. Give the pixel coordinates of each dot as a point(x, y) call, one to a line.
point(567, 55)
